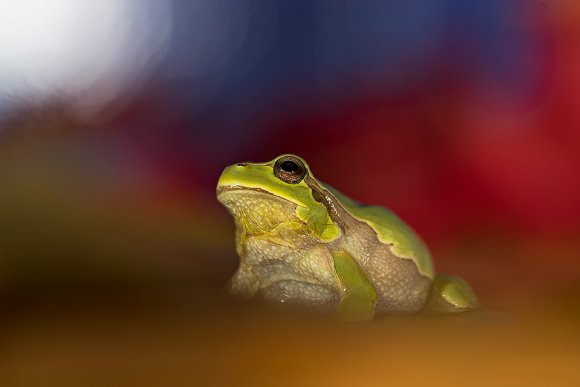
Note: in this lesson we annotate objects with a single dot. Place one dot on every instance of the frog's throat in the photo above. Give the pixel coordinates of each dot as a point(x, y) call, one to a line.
point(256, 211)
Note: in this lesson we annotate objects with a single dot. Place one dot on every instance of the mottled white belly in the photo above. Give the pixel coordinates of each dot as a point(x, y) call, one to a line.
point(285, 274)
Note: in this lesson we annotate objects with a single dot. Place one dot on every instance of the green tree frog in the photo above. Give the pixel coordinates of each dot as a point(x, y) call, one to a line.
point(301, 242)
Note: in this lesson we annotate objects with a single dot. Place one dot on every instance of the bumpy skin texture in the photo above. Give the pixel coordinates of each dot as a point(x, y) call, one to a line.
point(280, 259)
point(302, 242)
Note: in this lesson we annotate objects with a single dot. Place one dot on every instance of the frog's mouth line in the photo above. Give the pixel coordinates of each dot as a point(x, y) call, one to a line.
point(231, 188)
point(248, 190)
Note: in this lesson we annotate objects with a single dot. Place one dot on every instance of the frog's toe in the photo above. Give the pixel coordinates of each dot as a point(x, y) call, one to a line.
point(450, 294)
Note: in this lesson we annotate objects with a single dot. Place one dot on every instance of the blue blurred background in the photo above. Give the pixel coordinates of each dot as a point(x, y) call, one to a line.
point(117, 117)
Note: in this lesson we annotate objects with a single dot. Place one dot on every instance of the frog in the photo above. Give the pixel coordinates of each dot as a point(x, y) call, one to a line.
point(302, 243)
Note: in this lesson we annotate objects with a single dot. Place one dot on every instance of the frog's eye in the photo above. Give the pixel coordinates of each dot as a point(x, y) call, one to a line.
point(290, 169)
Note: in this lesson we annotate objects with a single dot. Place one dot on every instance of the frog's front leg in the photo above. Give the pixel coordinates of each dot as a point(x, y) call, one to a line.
point(244, 283)
point(358, 297)
point(450, 294)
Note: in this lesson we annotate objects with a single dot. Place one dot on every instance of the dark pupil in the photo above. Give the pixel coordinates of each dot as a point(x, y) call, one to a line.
point(289, 166)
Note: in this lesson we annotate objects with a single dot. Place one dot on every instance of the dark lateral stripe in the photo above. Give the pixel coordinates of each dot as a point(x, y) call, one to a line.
point(322, 195)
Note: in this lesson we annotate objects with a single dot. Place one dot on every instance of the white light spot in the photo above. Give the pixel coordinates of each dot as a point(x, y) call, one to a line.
point(88, 50)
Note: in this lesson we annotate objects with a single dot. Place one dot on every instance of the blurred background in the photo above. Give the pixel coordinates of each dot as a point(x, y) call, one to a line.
point(118, 116)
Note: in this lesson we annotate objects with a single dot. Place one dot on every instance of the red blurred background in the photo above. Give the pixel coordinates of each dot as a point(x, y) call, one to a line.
point(461, 116)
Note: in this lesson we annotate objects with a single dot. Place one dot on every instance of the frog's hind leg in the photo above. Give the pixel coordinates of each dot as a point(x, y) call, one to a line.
point(450, 294)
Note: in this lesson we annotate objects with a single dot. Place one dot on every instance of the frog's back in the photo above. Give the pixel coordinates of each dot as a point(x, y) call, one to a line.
point(391, 229)
point(448, 294)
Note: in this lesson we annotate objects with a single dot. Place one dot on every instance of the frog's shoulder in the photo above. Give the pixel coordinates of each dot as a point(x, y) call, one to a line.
point(390, 229)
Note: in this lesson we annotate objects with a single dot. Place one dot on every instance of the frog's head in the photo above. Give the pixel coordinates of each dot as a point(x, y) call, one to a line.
point(260, 196)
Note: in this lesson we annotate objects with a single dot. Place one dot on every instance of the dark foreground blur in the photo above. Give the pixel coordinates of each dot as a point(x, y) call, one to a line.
point(207, 341)
point(461, 116)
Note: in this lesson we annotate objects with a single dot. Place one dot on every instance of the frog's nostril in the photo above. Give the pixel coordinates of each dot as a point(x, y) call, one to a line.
point(242, 164)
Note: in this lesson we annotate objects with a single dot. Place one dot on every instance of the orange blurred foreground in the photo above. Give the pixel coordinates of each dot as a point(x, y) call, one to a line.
point(235, 344)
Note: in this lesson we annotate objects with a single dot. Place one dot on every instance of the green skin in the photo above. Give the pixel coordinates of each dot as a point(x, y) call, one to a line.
point(304, 243)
